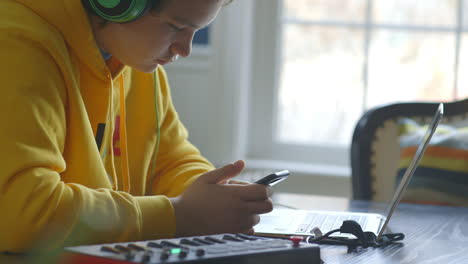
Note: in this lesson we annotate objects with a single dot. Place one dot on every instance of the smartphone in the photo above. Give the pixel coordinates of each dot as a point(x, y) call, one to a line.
point(274, 178)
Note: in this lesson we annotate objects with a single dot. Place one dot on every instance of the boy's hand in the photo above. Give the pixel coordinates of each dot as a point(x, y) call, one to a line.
point(208, 207)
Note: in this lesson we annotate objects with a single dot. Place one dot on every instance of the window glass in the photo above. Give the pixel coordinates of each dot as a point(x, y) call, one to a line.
point(462, 91)
point(349, 10)
point(416, 12)
point(410, 66)
point(321, 84)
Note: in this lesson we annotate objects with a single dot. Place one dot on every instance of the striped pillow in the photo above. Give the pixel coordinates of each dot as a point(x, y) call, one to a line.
point(442, 174)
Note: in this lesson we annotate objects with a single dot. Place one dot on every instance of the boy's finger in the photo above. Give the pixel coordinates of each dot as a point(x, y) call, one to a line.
point(224, 173)
point(235, 182)
point(249, 231)
point(253, 192)
point(260, 207)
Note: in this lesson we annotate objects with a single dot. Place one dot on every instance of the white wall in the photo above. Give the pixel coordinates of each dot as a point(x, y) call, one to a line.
point(211, 93)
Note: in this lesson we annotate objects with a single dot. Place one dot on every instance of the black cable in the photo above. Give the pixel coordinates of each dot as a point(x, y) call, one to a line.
point(363, 239)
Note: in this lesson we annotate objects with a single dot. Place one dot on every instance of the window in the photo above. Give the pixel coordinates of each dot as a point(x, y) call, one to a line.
point(333, 59)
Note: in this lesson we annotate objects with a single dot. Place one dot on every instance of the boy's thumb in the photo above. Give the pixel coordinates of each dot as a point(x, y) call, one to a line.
point(224, 173)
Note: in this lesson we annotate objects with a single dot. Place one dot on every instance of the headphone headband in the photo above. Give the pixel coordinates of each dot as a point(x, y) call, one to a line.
point(120, 11)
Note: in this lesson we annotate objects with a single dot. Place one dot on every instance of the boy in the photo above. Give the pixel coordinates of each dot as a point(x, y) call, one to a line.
point(92, 147)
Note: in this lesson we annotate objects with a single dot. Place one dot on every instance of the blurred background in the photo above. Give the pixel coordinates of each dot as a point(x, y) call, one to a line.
point(281, 83)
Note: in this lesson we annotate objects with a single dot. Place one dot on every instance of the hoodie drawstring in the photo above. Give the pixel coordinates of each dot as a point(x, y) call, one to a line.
point(111, 122)
point(109, 138)
point(123, 138)
point(152, 169)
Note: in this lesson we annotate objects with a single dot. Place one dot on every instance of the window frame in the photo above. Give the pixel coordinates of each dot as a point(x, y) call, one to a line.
point(265, 83)
point(264, 95)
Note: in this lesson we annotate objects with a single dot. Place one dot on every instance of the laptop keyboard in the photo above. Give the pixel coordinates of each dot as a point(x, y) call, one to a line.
point(328, 222)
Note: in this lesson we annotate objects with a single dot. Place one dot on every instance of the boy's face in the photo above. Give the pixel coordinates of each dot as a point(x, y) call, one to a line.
point(157, 38)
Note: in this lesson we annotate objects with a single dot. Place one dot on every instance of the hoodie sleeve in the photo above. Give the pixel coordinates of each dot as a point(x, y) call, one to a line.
point(38, 208)
point(178, 162)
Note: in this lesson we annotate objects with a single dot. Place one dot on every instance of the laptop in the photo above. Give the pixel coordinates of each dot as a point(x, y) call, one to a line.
point(288, 222)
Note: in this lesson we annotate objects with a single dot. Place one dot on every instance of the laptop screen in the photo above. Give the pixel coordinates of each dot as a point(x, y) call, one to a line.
point(412, 167)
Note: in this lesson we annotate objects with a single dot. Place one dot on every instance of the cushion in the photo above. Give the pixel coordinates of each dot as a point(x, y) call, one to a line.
point(442, 175)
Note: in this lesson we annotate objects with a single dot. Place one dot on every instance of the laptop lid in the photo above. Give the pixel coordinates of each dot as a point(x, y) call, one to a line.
point(412, 167)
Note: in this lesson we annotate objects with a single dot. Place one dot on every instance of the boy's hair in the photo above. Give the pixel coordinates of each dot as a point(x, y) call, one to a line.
point(158, 5)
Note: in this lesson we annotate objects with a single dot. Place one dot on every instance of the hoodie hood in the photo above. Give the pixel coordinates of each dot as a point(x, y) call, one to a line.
point(71, 19)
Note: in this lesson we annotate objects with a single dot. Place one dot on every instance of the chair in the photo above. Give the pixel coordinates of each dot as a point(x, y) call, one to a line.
point(375, 149)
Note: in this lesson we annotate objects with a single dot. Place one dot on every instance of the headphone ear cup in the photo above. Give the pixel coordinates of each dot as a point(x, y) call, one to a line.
point(109, 3)
point(119, 11)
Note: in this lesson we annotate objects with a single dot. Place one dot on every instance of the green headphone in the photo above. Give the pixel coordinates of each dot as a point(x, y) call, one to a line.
point(119, 11)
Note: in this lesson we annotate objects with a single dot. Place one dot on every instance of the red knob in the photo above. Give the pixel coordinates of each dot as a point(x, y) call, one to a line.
point(296, 240)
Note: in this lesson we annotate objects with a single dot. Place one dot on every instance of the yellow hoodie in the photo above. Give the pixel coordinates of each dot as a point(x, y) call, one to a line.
point(57, 186)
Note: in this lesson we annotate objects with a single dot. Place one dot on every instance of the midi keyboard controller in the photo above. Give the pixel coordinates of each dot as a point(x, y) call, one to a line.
point(219, 249)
